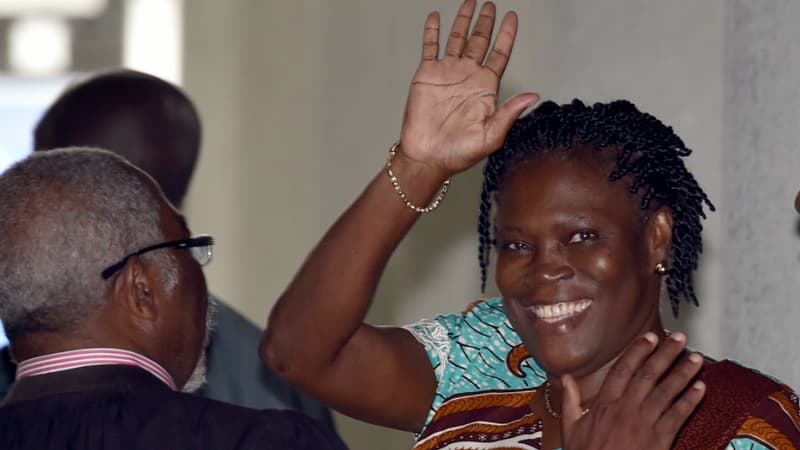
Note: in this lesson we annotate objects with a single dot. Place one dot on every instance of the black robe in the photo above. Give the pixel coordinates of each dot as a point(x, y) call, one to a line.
point(126, 408)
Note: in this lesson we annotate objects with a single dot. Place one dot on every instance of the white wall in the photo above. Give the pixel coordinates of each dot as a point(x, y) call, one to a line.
point(301, 100)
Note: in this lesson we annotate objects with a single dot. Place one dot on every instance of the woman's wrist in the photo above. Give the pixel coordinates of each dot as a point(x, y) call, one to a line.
point(416, 169)
point(418, 176)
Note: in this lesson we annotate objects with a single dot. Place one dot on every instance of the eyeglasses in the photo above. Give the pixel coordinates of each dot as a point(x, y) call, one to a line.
point(199, 247)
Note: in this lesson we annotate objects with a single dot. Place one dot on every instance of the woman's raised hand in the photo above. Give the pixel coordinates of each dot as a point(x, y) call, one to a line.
point(451, 122)
point(451, 119)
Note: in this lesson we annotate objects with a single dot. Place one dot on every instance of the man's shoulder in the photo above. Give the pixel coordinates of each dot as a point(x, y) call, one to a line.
point(159, 418)
point(266, 428)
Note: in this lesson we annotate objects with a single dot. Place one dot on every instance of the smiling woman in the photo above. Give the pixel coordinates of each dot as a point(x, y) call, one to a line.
point(590, 194)
point(595, 210)
point(574, 266)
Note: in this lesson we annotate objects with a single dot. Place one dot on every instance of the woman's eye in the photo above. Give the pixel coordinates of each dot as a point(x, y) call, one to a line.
point(582, 236)
point(515, 246)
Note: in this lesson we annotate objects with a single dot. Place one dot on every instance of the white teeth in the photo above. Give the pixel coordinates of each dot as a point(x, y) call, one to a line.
point(555, 312)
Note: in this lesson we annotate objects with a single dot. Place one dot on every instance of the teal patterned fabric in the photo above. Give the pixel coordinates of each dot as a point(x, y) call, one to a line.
point(468, 352)
point(746, 444)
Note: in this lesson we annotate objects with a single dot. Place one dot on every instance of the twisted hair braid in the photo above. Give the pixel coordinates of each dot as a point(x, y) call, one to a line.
point(648, 152)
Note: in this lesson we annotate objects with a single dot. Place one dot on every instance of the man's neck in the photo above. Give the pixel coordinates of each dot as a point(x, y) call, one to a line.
point(45, 343)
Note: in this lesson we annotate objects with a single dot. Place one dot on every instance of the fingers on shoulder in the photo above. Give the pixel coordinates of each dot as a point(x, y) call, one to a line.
point(673, 419)
point(624, 368)
point(660, 364)
point(676, 381)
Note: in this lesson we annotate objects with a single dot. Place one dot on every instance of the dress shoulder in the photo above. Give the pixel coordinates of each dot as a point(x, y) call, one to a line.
point(475, 350)
point(737, 399)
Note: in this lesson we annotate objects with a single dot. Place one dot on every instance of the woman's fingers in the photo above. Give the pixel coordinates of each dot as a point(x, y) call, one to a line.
point(657, 366)
point(571, 409)
point(481, 34)
point(503, 44)
point(625, 367)
point(673, 419)
point(458, 33)
point(473, 45)
point(661, 396)
point(497, 127)
point(430, 38)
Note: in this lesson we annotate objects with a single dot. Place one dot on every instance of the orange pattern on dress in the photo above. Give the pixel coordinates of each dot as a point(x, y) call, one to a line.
point(483, 400)
point(788, 406)
point(514, 359)
point(474, 427)
point(764, 432)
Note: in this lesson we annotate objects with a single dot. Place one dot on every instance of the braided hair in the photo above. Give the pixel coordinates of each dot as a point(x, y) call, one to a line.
point(648, 151)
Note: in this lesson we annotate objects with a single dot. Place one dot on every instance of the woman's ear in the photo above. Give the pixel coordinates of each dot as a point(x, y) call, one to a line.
point(659, 235)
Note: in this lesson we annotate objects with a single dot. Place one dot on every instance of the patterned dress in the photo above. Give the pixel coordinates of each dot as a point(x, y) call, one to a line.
point(486, 380)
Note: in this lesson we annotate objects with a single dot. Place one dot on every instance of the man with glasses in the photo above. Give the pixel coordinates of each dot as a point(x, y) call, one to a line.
point(200, 248)
point(105, 304)
point(156, 127)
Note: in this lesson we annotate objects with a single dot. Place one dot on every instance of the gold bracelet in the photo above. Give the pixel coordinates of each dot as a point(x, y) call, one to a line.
point(396, 184)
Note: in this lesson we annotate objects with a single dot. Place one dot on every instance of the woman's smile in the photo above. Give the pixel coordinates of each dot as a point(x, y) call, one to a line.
point(553, 313)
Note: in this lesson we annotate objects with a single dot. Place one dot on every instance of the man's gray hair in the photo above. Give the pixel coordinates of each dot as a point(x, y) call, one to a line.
point(66, 215)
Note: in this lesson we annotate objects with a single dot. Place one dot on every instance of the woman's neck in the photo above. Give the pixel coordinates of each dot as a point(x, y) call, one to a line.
point(548, 402)
point(589, 385)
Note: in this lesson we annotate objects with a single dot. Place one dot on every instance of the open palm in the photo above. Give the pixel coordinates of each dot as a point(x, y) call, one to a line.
point(452, 120)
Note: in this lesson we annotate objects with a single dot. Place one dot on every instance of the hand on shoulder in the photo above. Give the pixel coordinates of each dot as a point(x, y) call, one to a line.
point(643, 403)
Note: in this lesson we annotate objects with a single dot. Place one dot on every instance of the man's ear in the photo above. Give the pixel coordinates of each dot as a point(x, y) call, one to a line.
point(659, 236)
point(134, 289)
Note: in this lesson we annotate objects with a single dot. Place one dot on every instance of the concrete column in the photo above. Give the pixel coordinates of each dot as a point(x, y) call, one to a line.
point(762, 130)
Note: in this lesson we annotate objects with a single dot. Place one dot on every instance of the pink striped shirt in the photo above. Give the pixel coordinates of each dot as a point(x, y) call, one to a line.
point(73, 359)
